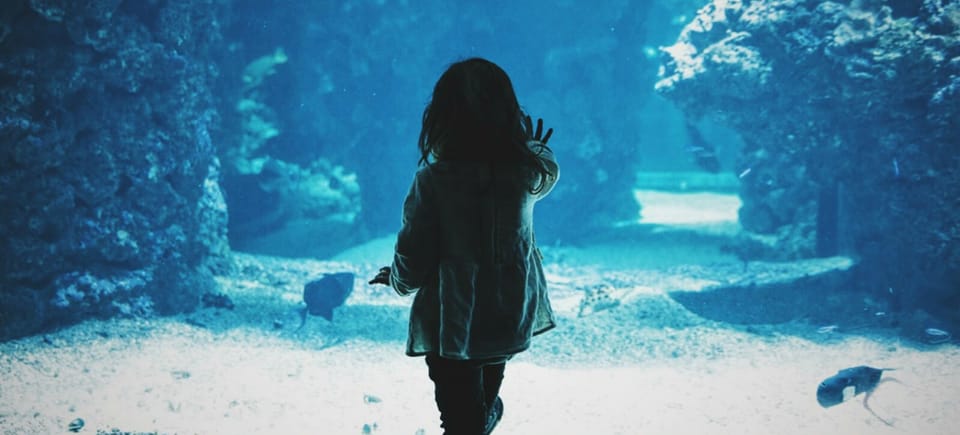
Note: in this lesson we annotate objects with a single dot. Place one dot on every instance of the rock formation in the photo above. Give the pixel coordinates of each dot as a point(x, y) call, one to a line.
point(849, 113)
point(108, 176)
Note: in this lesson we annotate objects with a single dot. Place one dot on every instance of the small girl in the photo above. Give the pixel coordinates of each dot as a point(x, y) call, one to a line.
point(467, 245)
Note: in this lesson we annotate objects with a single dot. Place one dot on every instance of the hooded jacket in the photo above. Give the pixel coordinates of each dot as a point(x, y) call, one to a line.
point(467, 249)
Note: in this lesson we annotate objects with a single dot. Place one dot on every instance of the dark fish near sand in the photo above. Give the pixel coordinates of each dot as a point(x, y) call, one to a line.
point(848, 383)
point(325, 294)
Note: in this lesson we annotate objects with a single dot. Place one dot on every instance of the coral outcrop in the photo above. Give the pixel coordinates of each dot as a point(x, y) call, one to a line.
point(108, 175)
point(281, 204)
point(849, 114)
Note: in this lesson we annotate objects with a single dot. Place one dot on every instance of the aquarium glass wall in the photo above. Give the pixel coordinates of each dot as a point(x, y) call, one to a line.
point(755, 228)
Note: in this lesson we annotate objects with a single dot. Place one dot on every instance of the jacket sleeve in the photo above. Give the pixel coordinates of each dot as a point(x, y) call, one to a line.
point(415, 255)
point(545, 154)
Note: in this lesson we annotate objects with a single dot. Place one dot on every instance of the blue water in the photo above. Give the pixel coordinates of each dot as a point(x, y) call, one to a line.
point(360, 73)
point(174, 174)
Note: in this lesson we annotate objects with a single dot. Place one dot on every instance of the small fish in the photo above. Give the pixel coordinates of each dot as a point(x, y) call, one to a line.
point(76, 425)
point(704, 153)
point(325, 294)
point(827, 329)
point(850, 382)
point(937, 336)
point(896, 168)
point(745, 172)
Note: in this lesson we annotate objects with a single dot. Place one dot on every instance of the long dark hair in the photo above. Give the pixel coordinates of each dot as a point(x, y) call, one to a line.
point(474, 116)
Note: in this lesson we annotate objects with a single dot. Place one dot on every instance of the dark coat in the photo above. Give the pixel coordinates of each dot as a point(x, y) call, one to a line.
point(468, 250)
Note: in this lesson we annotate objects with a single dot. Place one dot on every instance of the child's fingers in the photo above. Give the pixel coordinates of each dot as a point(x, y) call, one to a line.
point(546, 137)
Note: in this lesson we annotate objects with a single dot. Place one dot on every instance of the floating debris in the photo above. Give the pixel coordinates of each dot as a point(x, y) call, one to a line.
point(650, 52)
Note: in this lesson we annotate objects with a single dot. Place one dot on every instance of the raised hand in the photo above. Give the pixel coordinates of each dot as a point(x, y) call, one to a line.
point(536, 135)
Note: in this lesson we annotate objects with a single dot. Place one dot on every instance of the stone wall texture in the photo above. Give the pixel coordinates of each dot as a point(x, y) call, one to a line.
point(849, 113)
point(109, 201)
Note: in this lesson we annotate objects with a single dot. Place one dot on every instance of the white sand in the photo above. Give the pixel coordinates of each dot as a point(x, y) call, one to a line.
point(593, 375)
point(174, 378)
point(644, 366)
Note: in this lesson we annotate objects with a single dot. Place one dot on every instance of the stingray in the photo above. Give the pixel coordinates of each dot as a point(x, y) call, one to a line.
point(850, 382)
point(325, 294)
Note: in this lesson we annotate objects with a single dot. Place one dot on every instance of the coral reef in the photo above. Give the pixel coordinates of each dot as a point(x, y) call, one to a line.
point(287, 210)
point(848, 112)
point(282, 205)
point(108, 174)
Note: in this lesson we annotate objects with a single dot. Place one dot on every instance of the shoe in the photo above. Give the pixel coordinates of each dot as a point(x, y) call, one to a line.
point(496, 413)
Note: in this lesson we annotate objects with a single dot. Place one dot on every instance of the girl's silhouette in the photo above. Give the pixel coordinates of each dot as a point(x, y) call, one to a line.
point(467, 246)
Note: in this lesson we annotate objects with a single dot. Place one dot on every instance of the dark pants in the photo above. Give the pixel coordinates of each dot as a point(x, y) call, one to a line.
point(465, 391)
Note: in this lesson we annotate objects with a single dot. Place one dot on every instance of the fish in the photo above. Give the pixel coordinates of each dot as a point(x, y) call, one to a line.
point(325, 294)
point(827, 329)
point(704, 153)
point(76, 425)
point(937, 335)
point(850, 382)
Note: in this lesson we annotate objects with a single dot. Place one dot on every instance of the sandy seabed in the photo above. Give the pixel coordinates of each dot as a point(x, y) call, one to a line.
point(249, 370)
point(169, 377)
point(624, 359)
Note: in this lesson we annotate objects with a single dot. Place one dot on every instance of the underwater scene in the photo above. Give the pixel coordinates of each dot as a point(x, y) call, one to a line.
point(755, 228)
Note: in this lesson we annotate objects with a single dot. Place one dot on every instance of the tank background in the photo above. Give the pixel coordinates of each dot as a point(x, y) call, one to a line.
point(114, 117)
point(357, 77)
